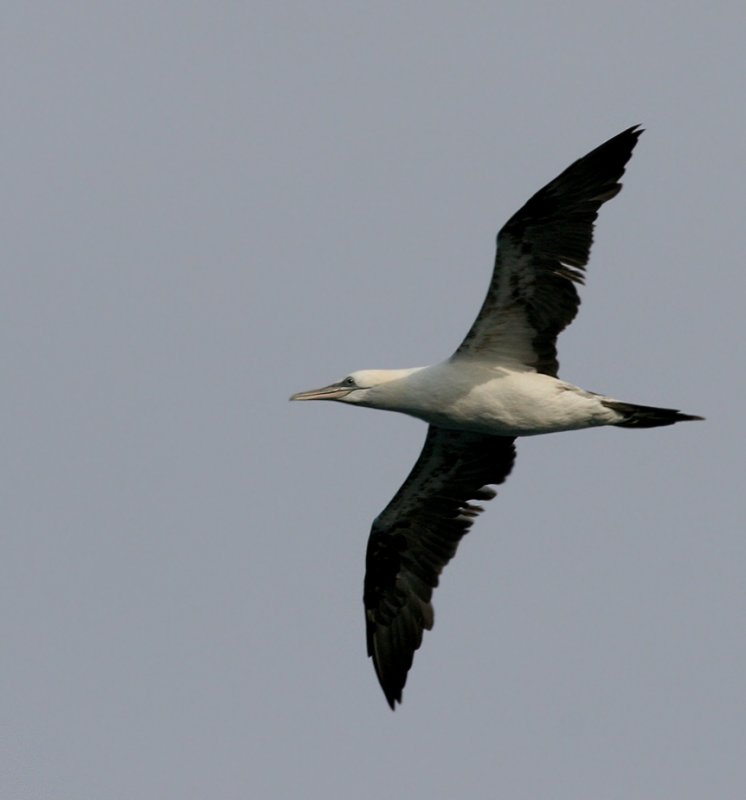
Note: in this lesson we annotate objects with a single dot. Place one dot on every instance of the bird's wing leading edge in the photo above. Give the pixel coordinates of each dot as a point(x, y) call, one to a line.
point(541, 254)
point(416, 535)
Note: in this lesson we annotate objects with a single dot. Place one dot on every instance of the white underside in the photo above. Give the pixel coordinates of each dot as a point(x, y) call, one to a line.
point(469, 395)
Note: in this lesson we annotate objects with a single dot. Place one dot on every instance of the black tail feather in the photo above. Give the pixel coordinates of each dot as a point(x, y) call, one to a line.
point(646, 416)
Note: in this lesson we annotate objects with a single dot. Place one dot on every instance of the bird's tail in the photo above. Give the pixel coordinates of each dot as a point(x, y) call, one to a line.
point(634, 416)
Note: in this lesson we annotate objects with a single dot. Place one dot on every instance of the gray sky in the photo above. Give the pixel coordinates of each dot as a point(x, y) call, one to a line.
point(207, 207)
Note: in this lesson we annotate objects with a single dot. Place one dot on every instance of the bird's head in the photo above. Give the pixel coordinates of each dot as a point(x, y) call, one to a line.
point(364, 387)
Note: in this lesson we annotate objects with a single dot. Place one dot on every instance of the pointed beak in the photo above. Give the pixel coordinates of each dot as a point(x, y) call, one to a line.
point(332, 392)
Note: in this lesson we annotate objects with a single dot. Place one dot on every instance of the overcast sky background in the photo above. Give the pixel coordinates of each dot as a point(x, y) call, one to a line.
point(208, 206)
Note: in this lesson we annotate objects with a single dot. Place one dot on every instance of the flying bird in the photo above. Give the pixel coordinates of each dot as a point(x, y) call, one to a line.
point(501, 383)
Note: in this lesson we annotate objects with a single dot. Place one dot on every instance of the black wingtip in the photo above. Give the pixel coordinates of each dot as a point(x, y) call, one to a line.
point(633, 130)
point(392, 692)
point(391, 681)
point(624, 142)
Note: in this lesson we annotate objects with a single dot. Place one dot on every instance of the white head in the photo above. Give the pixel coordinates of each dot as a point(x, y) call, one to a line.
point(364, 387)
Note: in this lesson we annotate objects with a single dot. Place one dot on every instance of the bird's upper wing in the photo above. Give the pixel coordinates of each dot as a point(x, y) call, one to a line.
point(416, 535)
point(541, 254)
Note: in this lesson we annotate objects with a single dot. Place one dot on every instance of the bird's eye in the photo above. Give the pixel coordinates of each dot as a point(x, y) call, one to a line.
point(348, 381)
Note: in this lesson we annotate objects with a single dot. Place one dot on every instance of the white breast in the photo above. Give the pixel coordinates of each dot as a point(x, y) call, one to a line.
point(498, 400)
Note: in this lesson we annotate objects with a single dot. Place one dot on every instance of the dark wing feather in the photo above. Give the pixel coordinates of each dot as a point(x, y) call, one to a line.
point(541, 254)
point(416, 536)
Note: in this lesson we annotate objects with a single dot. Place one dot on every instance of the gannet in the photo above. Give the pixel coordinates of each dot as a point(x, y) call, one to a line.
point(501, 383)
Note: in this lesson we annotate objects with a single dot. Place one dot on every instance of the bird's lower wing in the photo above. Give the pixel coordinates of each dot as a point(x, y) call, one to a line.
point(416, 535)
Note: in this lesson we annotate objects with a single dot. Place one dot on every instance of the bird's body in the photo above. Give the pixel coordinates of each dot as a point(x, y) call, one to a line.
point(469, 395)
point(501, 383)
